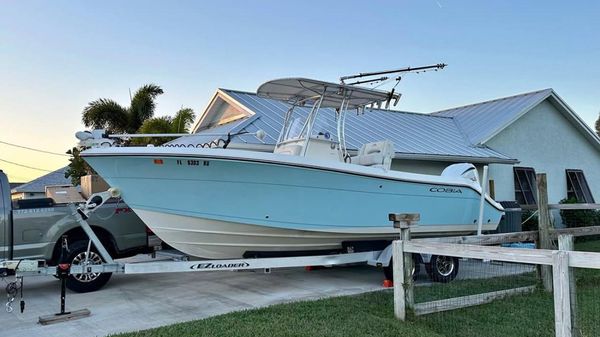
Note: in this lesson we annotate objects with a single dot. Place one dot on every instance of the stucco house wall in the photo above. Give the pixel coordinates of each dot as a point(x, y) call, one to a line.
point(547, 141)
point(419, 166)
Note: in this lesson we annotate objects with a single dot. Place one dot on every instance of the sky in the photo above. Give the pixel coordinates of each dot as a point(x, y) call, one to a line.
point(56, 56)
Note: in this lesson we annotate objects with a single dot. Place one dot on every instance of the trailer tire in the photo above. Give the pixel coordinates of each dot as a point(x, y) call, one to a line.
point(83, 283)
point(389, 270)
point(442, 269)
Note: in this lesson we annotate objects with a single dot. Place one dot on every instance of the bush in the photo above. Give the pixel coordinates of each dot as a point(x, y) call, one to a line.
point(529, 221)
point(579, 217)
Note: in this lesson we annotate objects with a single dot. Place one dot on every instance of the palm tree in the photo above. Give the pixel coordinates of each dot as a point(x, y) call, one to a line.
point(180, 123)
point(105, 113)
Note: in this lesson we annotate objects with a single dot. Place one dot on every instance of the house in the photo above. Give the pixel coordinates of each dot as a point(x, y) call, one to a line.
point(516, 136)
point(37, 187)
point(14, 185)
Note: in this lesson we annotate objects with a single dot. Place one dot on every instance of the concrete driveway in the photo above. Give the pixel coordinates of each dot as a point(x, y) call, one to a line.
point(136, 302)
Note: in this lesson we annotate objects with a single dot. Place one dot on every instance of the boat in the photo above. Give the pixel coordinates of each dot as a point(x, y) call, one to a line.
point(311, 194)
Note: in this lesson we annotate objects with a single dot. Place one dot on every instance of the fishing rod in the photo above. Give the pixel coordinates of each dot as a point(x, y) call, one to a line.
point(385, 72)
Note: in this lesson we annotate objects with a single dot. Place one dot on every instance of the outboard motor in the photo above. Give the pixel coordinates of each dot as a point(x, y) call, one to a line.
point(465, 170)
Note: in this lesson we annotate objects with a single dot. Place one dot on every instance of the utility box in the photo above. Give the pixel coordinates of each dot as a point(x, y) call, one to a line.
point(64, 194)
point(91, 184)
point(511, 221)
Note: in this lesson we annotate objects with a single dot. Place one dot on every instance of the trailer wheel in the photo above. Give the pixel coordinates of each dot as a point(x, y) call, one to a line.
point(389, 270)
point(442, 269)
point(83, 283)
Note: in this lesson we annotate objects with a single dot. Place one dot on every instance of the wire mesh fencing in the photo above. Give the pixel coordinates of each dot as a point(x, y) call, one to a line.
point(587, 289)
point(480, 297)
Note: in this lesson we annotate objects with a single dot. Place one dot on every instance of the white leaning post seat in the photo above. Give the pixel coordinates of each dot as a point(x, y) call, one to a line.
point(377, 154)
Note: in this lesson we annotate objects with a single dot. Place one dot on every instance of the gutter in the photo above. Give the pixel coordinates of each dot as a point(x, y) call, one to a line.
point(450, 158)
point(398, 155)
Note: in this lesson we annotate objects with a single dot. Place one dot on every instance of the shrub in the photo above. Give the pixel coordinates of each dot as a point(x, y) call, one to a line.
point(579, 217)
point(529, 221)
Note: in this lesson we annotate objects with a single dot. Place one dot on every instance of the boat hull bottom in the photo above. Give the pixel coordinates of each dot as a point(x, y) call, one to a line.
point(214, 239)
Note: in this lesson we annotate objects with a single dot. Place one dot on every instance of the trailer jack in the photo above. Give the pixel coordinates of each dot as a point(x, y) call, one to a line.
point(63, 270)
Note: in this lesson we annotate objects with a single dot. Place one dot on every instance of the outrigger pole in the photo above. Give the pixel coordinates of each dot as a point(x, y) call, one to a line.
point(385, 72)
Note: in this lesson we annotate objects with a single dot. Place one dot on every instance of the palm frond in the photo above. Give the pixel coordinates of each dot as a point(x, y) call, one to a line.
point(183, 120)
point(142, 105)
point(105, 114)
point(154, 125)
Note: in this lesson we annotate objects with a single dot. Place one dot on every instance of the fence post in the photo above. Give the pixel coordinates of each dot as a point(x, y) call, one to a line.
point(544, 242)
point(566, 243)
point(403, 265)
point(562, 300)
point(399, 292)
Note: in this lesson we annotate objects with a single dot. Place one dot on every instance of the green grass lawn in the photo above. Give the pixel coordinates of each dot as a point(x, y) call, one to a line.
point(372, 314)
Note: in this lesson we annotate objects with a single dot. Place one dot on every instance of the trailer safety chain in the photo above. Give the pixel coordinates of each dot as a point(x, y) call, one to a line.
point(9, 307)
point(12, 289)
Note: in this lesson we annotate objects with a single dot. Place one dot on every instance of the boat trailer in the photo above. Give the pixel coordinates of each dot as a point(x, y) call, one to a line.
point(28, 268)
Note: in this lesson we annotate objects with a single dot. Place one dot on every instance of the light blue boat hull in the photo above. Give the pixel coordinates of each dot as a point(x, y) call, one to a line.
point(280, 197)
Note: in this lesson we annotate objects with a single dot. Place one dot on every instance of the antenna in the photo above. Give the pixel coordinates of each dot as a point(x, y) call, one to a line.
point(385, 72)
point(379, 79)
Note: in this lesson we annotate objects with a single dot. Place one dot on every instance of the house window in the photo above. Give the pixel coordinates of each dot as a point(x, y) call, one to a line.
point(525, 190)
point(577, 187)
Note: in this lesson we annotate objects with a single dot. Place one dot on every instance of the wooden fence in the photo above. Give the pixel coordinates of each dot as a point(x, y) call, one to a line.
point(555, 265)
point(559, 260)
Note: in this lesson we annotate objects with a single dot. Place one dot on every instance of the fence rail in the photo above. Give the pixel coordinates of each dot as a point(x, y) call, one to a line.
point(496, 239)
point(555, 266)
point(468, 301)
point(560, 260)
point(563, 206)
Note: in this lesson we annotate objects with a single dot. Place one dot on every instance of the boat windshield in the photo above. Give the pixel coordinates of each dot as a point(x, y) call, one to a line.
point(296, 127)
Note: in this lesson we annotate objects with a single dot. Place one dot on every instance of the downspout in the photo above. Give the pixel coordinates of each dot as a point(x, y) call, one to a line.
point(482, 200)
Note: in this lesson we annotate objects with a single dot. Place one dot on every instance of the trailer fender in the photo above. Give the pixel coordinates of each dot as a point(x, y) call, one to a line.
point(383, 259)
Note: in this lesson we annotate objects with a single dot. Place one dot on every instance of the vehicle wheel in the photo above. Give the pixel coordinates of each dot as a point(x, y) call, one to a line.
point(389, 270)
point(83, 283)
point(442, 268)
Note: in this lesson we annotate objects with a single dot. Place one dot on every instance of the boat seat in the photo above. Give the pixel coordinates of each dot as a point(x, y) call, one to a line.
point(376, 154)
point(290, 149)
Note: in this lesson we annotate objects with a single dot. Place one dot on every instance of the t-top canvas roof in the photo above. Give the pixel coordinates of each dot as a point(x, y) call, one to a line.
point(295, 90)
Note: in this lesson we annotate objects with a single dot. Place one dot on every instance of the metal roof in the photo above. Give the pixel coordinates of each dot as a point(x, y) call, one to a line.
point(39, 185)
point(483, 120)
point(413, 134)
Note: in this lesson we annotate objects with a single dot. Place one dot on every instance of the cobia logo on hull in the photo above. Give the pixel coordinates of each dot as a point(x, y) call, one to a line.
point(445, 190)
point(210, 265)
